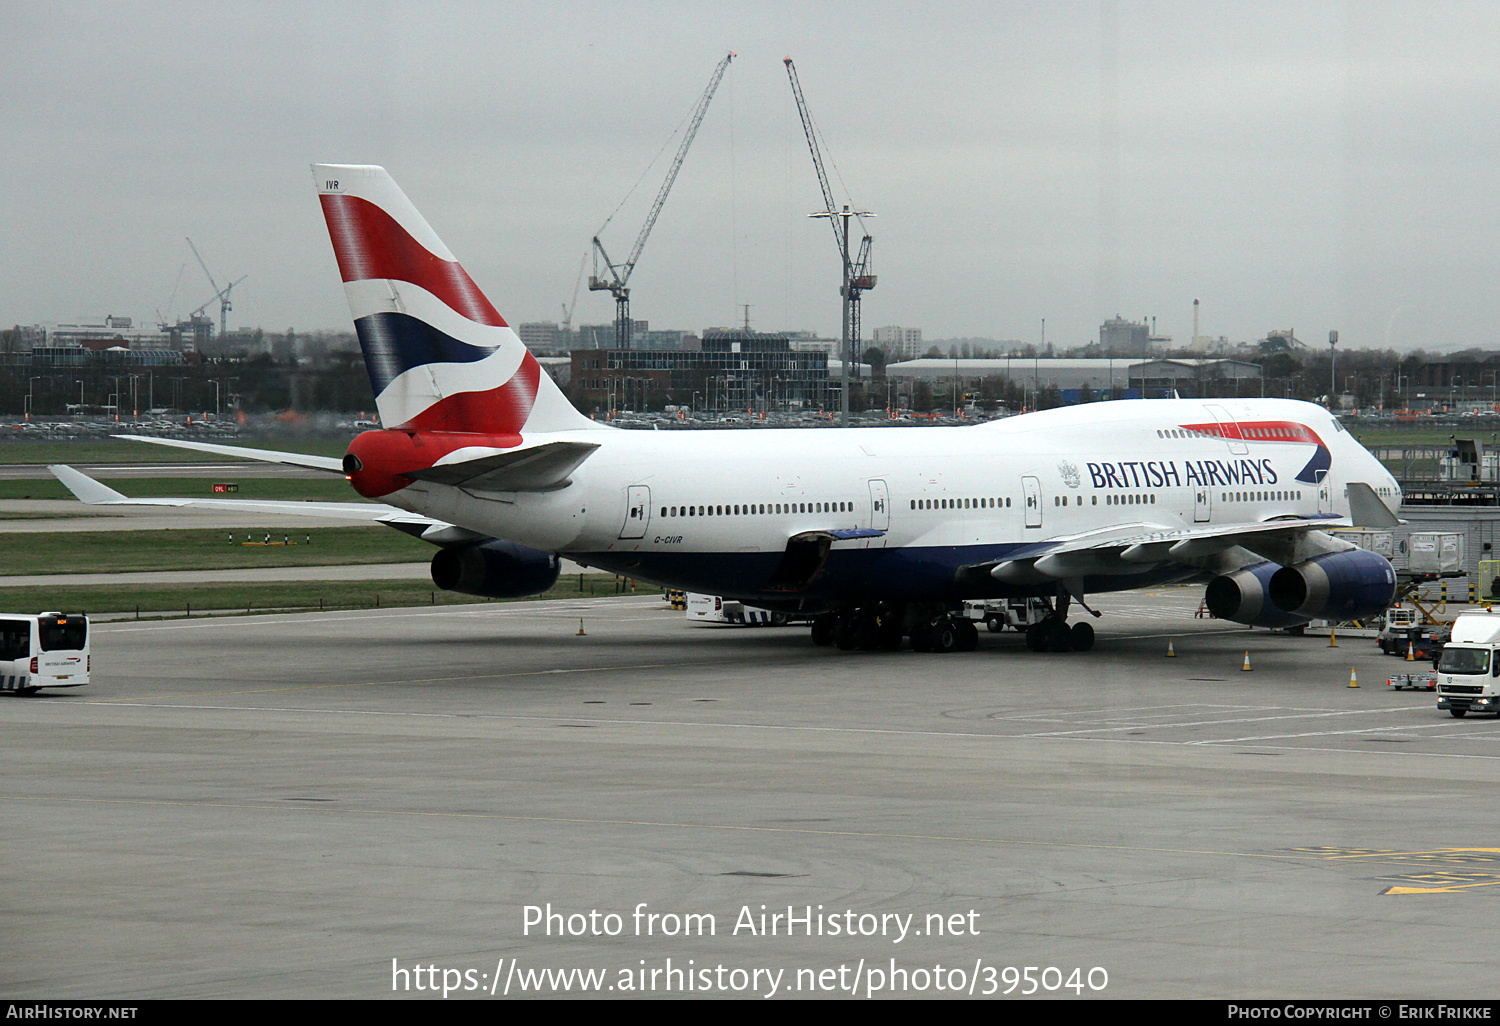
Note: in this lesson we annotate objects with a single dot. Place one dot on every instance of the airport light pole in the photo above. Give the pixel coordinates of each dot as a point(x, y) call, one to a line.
point(1333, 364)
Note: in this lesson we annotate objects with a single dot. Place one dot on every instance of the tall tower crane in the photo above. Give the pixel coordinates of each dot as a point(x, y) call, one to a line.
point(222, 295)
point(618, 280)
point(857, 277)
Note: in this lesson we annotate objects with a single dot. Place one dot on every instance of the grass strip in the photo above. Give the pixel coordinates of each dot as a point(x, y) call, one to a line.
point(171, 601)
point(105, 552)
point(332, 488)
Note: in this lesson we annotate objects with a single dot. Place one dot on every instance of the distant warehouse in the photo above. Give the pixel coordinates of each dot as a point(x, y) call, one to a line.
point(733, 370)
point(1077, 379)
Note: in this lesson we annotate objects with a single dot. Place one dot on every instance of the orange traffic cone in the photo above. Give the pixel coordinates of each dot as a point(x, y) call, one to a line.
point(1333, 638)
point(1353, 678)
point(1171, 653)
point(1246, 667)
point(580, 628)
point(1410, 655)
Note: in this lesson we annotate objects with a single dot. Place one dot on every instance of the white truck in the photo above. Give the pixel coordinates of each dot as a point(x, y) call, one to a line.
point(717, 609)
point(1468, 674)
point(998, 614)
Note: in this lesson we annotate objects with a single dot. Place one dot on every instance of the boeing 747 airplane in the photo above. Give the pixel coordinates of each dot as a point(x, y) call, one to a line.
point(880, 532)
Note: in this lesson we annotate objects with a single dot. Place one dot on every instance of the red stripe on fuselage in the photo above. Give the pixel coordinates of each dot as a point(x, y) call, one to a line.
point(369, 243)
point(1259, 431)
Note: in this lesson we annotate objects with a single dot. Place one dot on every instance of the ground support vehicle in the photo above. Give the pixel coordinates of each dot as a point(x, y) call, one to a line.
point(1404, 631)
point(717, 609)
point(1424, 681)
point(1468, 674)
point(1018, 613)
point(48, 650)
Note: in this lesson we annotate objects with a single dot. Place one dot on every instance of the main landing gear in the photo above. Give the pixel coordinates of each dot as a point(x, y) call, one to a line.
point(868, 628)
point(881, 626)
point(1056, 635)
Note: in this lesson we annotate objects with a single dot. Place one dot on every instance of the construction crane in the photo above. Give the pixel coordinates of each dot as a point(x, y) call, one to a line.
point(222, 295)
point(567, 321)
point(857, 277)
point(618, 280)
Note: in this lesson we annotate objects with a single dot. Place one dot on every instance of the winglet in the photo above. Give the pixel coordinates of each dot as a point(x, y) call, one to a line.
point(83, 487)
point(1366, 509)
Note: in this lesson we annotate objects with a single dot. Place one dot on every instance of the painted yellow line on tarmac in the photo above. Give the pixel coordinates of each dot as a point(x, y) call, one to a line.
point(1447, 889)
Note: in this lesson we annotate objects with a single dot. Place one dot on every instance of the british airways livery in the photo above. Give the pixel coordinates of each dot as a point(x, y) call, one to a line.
point(880, 532)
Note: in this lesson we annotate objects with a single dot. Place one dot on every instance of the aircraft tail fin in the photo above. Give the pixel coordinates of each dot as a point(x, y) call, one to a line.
point(439, 355)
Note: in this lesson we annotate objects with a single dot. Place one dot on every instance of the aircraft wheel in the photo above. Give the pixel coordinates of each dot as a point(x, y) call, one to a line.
point(944, 636)
point(968, 636)
point(1457, 713)
point(867, 632)
point(1082, 636)
point(1059, 638)
point(1036, 637)
point(844, 635)
point(822, 630)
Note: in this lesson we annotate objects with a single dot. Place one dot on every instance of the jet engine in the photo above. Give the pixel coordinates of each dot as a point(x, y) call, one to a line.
point(1335, 586)
point(494, 569)
point(1241, 597)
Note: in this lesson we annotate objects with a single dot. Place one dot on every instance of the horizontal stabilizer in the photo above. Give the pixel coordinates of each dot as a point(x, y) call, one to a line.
point(293, 459)
point(537, 468)
point(92, 492)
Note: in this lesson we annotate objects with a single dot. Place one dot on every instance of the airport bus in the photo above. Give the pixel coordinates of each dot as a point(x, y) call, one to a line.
point(49, 650)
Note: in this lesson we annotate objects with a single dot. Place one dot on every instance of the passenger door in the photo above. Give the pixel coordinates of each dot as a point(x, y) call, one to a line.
point(1031, 489)
point(880, 511)
point(638, 512)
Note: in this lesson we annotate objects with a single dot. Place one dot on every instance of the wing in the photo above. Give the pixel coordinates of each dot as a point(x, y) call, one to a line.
point(1133, 548)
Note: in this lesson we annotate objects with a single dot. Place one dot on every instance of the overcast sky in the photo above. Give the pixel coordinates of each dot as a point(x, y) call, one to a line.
point(1293, 165)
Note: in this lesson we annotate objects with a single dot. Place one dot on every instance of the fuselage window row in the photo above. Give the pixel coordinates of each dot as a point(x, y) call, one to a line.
point(1260, 496)
point(972, 503)
point(757, 509)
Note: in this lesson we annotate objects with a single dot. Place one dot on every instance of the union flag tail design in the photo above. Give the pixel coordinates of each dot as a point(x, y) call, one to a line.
point(439, 356)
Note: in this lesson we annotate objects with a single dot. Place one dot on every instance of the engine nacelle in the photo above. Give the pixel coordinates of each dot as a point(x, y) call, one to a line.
point(1242, 597)
point(1336, 586)
point(495, 569)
